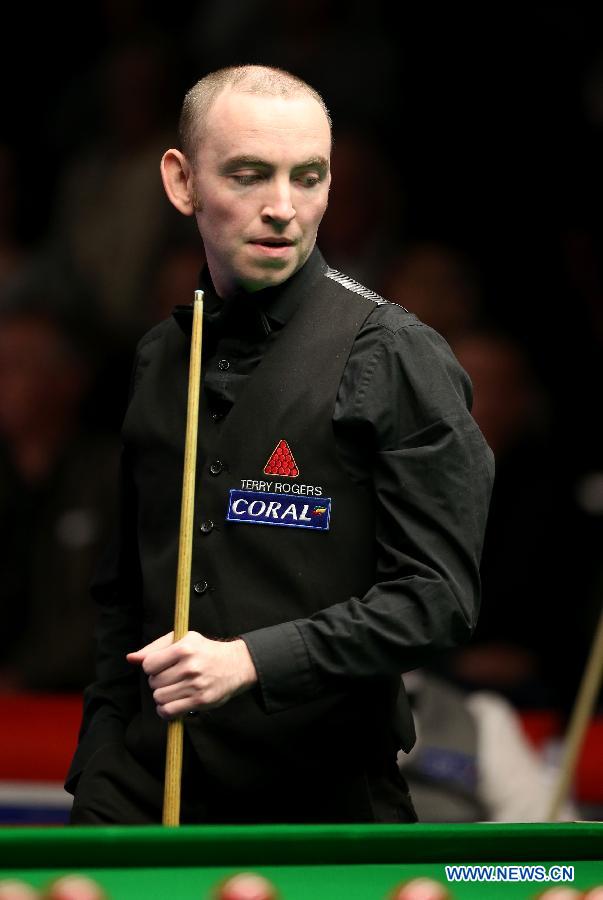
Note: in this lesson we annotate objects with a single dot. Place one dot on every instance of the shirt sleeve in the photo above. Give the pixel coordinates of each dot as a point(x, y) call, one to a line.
point(406, 401)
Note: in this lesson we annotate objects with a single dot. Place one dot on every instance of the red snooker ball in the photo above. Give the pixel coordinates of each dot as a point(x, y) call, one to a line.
point(247, 886)
point(561, 893)
point(421, 889)
point(74, 887)
point(16, 890)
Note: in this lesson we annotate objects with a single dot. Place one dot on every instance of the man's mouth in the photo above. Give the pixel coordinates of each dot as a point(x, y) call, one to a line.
point(271, 247)
point(272, 242)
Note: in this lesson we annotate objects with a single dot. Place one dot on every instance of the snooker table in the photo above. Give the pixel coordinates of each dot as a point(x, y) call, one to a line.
point(355, 862)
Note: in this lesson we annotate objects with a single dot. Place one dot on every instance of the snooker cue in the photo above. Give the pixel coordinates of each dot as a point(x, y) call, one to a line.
point(581, 714)
point(173, 759)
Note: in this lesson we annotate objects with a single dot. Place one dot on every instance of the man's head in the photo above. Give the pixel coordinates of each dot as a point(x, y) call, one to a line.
point(43, 375)
point(254, 170)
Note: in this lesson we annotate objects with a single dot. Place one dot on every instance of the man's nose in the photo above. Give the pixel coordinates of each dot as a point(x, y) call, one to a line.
point(279, 205)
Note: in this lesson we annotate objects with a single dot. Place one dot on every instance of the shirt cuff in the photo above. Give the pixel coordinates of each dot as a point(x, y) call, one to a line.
point(282, 662)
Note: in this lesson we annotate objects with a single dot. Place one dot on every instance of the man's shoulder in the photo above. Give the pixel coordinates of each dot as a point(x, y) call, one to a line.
point(393, 338)
point(153, 347)
point(382, 313)
point(159, 332)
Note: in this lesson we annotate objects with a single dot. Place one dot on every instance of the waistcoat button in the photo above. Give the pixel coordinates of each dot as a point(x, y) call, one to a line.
point(216, 467)
point(224, 365)
point(206, 527)
point(200, 587)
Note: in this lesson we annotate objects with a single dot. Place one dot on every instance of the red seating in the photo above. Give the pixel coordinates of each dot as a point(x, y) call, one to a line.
point(544, 725)
point(39, 735)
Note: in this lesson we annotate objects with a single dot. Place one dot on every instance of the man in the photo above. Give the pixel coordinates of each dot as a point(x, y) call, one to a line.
point(472, 760)
point(342, 488)
point(54, 517)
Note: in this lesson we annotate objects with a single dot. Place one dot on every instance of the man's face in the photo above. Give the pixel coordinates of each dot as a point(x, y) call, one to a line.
point(261, 183)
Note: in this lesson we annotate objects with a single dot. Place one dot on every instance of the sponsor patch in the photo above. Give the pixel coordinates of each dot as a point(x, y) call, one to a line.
point(258, 508)
point(281, 461)
point(281, 487)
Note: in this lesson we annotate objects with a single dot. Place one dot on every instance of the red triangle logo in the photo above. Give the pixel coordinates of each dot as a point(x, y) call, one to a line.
point(281, 462)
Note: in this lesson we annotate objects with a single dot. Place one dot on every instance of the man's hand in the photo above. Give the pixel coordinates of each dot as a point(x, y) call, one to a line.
point(194, 672)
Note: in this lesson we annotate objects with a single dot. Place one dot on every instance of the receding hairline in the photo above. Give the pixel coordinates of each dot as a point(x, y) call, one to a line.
point(264, 81)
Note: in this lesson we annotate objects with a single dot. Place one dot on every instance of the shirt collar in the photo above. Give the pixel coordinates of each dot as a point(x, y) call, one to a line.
point(275, 305)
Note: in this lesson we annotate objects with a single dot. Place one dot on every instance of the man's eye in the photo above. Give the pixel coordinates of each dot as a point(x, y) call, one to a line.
point(310, 179)
point(248, 178)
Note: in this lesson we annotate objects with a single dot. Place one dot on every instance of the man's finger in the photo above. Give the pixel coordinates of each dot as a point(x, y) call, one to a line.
point(173, 692)
point(161, 659)
point(171, 675)
point(138, 656)
point(176, 708)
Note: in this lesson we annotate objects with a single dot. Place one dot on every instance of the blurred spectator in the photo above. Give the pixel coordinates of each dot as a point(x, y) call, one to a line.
point(472, 761)
point(526, 642)
point(509, 406)
point(56, 488)
point(112, 215)
point(12, 251)
point(318, 46)
point(437, 284)
point(360, 228)
point(175, 280)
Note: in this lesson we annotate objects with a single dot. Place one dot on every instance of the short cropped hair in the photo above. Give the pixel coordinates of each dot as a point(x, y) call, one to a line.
point(248, 79)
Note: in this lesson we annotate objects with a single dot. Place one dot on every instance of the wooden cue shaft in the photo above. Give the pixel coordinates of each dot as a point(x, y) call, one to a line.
point(173, 759)
point(583, 708)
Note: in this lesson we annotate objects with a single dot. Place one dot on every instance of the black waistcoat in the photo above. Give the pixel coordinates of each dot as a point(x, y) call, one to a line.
point(259, 575)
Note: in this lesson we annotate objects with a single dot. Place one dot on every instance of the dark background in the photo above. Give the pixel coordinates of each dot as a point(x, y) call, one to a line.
point(487, 124)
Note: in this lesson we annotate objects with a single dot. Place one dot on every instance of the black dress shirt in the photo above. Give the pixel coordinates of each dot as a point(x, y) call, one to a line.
point(402, 425)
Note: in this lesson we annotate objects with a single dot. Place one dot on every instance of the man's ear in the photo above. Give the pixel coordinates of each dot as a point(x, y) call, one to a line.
point(177, 178)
